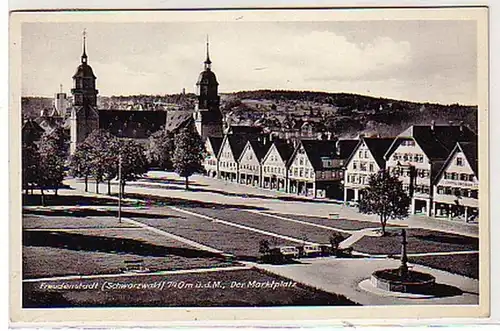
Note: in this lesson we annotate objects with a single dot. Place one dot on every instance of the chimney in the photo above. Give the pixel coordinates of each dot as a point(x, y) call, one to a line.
point(433, 125)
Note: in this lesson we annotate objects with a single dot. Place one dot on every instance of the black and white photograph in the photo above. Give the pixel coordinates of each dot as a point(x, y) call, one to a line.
point(252, 160)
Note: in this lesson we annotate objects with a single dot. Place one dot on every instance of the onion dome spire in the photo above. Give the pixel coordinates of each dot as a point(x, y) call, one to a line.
point(208, 63)
point(84, 55)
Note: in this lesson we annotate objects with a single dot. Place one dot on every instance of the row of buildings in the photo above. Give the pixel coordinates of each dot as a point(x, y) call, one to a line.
point(438, 165)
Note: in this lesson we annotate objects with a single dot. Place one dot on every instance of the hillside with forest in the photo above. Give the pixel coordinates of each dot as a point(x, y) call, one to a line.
point(341, 113)
point(344, 113)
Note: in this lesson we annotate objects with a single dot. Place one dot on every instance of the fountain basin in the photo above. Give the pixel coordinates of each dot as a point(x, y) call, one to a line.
point(414, 282)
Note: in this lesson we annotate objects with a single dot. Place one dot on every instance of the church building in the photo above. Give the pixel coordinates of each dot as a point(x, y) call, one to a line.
point(85, 117)
point(207, 114)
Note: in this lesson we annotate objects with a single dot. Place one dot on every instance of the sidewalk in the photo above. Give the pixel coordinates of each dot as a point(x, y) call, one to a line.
point(344, 276)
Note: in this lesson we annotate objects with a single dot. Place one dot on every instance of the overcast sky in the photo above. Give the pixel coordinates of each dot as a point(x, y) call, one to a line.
point(412, 60)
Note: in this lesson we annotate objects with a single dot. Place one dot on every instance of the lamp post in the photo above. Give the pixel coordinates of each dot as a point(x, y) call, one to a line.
point(403, 269)
point(120, 188)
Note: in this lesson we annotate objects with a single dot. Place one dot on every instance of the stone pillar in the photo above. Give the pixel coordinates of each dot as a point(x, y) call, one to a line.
point(314, 189)
point(356, 194)
point(466, 213)
point(345, 195)
point(412, 206)
point(434, 208)
point(428, 209)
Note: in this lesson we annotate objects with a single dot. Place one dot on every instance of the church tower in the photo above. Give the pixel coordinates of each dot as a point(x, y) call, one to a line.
point(84, 114)
point(207, 115)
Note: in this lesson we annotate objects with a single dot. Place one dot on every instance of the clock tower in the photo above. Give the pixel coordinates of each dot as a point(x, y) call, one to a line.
point(84, 114)
point(207, 115)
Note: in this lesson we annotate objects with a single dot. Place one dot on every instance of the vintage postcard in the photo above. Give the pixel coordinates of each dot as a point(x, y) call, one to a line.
point(249, 165)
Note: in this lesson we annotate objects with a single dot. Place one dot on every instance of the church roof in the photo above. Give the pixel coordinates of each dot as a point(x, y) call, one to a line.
point(207, 77)
point(84, 70)
point(131, 124)
point(176, 119)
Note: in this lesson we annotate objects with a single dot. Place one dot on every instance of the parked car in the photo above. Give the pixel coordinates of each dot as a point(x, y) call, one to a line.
point(312, 250)
point(289, 251)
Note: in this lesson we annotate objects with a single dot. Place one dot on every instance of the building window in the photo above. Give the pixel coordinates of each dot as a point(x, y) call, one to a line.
point(307, 173)
point(362, 166)
point(471, 178)
point(371, 167)
point(464, 177)
point(440, 190)
point(301, 172)
point(360, 154)
point(454, 176)
point(473, 194)
point(460, 161)
point(366, 154)
point(355, 165)
point(405, 157)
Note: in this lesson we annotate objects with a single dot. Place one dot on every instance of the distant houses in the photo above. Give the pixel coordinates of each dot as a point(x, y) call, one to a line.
point(436, 163)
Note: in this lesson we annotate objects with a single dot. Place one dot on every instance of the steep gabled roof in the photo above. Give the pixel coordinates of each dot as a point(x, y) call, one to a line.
point(236, 143)
point(31, 131)
point(284, 149)
point(471, 153)
point(48, 123)
point(436, 141)
point(470, 150)
point(315, 150)
point(345, 147)
point(378, 147)
point(259, 148)
point(216, 143)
